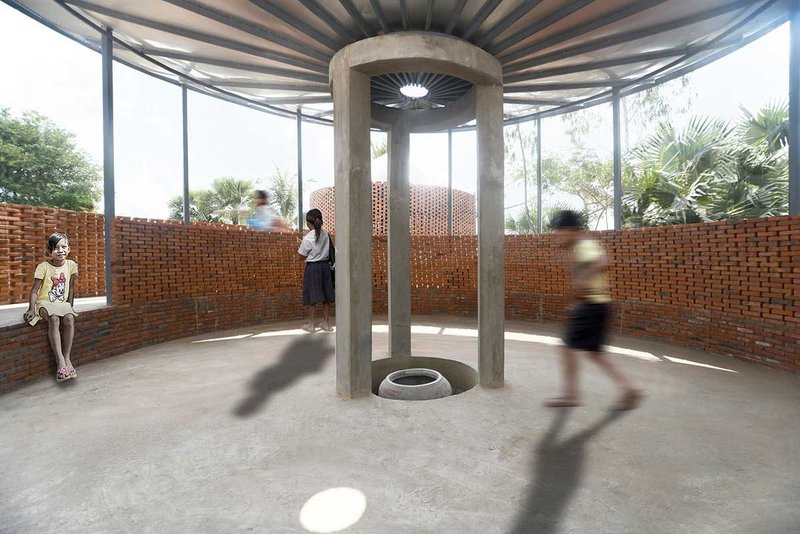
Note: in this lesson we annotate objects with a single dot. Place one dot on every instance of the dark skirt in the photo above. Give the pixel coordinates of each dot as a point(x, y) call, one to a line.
point(587, 326)
point(317, 283)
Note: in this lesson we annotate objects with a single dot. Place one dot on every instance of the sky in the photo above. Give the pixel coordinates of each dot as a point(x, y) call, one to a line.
point(62, 80)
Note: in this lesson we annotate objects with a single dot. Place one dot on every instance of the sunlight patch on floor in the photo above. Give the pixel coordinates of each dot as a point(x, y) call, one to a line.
point(697, 364)
point(333, 510)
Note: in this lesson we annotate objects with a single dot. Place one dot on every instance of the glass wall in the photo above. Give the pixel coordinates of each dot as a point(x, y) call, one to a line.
point(148, 145)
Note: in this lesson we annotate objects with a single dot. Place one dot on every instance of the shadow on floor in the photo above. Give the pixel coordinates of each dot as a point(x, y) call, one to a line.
point(306, 355)
point(558, 473)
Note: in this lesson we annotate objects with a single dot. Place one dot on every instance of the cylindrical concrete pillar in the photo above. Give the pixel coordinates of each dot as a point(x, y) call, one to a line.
point(399, 240)
point(491, 275)
point(351, 111)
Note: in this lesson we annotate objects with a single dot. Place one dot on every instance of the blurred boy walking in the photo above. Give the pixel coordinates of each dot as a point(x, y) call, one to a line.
point(590, 314)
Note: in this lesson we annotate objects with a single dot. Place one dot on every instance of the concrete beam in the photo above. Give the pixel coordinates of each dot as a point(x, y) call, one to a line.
point(491, 274)
point(399, 265)
point(427, 120)
point(422, 52)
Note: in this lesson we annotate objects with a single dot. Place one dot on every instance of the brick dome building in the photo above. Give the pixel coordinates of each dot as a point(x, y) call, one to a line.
point(428, 209)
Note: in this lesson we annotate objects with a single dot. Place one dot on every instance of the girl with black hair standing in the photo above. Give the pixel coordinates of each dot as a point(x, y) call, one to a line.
point(317, 279)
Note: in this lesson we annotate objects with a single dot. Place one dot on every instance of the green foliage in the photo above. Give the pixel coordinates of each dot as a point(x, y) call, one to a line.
point(524, 221)
point(230, 200)
point(283, 193)
point(586, 176)
point(710, 171)
point(378, 149)
point(226, 201)
point(40, 165)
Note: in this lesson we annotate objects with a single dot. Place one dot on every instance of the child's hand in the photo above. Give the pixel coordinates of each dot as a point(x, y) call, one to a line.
point(28, 316)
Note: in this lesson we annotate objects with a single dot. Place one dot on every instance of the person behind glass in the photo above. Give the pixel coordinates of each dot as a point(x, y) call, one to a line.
point(317, 280)
point(265, 219)
point(590, 314)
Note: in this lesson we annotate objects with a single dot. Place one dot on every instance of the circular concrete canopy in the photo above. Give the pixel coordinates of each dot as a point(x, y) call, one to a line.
point(557, 55)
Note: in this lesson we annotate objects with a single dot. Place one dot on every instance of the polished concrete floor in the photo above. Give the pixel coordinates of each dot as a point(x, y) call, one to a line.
point(241, 430)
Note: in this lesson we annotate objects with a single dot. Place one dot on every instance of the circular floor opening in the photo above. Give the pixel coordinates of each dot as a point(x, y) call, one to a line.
point(461, 377)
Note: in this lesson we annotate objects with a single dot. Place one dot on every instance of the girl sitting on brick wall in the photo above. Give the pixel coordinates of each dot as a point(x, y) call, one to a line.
point(317, 280)
point(51, 299)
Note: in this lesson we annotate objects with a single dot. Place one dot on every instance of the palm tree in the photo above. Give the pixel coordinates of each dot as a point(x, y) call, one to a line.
point(710, 171)
point(673, 173)
point(283, 193)
point(524, 222)
point(230, 197)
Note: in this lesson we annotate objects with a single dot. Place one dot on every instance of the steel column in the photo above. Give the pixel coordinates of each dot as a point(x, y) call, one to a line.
point(615, 105)
point(794, 111)
point(107, 51)
point(539, 175)
point(449, 182)
point(185, 107)
point(300, 216)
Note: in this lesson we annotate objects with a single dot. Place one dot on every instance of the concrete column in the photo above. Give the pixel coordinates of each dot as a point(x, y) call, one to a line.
point(399, 241)
point(491, 236)
point(351, 111)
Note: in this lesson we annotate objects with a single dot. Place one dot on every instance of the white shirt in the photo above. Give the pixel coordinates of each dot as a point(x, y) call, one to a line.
point(315, 250)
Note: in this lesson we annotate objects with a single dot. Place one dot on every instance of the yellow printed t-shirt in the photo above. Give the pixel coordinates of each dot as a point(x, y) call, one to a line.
point(588, 251)
point(55, 282)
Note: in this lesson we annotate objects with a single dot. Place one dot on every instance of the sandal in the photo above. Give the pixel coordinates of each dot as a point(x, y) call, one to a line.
point(309, 328)
point(72, 372)
point(62, 374)
point(629, 401)
point(562, 402)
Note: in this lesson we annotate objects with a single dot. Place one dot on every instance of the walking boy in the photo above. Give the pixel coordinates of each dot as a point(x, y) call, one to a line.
point(589, 316)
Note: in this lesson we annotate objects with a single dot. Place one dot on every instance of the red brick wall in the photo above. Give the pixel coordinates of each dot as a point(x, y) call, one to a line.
point(428, 206)
point(729, 288)
point(23, 238)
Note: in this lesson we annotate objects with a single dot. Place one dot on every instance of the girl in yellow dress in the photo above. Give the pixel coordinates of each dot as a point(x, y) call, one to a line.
point(51, 299)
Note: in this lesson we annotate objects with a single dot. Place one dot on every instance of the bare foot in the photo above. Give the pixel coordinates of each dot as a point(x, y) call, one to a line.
point(563, 402)
point(309, 328)
point(327, 327)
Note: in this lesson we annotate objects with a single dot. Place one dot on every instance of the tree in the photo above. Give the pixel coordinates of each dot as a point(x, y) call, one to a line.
point(378, 149)
point(516, 145)
point(586, 176)
point(710, 171)
point(224, 202)
point(283, 192)
point(524, 222)
point(40, 165)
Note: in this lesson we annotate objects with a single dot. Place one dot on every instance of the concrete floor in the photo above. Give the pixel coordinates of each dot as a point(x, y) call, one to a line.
point(226, 435)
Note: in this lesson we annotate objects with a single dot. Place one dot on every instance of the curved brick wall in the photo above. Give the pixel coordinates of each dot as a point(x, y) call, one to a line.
point(730, 288)
point(428, 206)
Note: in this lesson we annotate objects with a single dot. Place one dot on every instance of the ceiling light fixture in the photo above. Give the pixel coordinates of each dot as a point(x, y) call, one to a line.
point(414, 90)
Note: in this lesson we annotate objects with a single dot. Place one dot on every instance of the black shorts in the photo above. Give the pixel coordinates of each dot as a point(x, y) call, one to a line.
point(587, 326)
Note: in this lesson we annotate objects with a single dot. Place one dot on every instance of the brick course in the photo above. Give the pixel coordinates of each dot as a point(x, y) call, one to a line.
point(729, 288)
